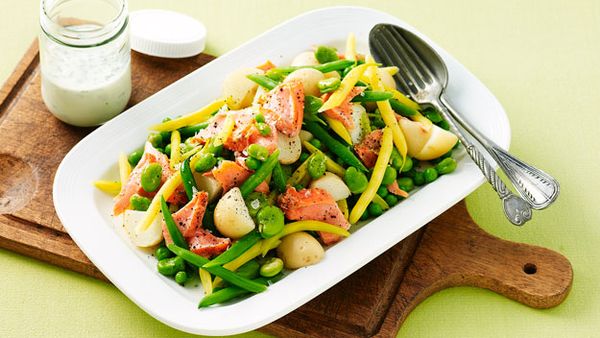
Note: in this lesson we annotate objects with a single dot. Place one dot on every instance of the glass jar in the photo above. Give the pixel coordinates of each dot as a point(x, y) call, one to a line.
point(85, 59)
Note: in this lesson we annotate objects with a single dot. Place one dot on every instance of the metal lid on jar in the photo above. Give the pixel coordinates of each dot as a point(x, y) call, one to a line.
point(166, 34)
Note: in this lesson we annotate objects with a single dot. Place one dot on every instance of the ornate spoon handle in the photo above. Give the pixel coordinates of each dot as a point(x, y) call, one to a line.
point(537, 187)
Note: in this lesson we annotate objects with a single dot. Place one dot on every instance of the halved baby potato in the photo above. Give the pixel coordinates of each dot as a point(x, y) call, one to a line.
point(238, 90)
point(426, 142)
point(309, 78)
point(299, 250)
point(147, 238)
point(231, 217)
point(290, 148)
point(333, 184)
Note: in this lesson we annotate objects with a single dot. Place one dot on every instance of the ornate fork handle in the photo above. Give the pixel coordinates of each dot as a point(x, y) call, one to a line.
point(537, 187)
point(515, 208)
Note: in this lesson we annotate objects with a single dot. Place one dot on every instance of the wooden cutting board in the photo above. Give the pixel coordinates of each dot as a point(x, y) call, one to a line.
point(450, 251)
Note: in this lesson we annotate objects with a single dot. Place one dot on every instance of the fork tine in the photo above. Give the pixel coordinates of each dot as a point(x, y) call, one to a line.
point(413, 54)
point(402, 54)
point(405, 75)
point(381, 51)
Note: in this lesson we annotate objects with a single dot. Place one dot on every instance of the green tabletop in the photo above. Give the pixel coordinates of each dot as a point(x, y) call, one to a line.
point(540, 59)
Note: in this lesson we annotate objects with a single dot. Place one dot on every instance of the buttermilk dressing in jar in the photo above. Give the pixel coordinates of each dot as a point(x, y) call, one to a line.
point(85, 59)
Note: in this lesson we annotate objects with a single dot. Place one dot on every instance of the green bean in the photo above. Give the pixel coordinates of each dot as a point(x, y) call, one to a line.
point(229, 293)
point(238, 248)
point(252, 163)
point(155, 139)
point(205, 162)
point(279, 177)
point(406, 183)
point(190, 131)
point(419, 178)
point(172, 228)
point(303, 157)
point(335, 146)
point(372, 96)
point(258, 152)
point(430, 175)
point(162, 252)
point(271, 267)
point(135, 156)
point(375, 209)
point(311, 109)
point(382, 191)
point(328, 85)
point(219, 271)
point(254, 202)
point(151, 177)
point(263, 81)
point(446, 166)
point(139, 203)
point(270, 221)
point(401, 108)
point(323, 68)
point(444, 125)
point(170, 266)
point(325, 54)
point(249, 270)
point(276, 74)
point(433, 115)
point(355, 180)
point(181, 277)
point(389, 176)
point(263, 128)
point(189, 183)
point(316, 165)
point(391, 200)
point(260, 174)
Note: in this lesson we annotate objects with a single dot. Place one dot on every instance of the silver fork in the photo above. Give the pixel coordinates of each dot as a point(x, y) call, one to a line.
point(389, 45)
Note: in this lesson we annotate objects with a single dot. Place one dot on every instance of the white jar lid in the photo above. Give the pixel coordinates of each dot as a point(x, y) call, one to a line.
point(166, 34)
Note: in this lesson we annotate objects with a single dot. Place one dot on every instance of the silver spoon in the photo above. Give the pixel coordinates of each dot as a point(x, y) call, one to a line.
point(423, 75)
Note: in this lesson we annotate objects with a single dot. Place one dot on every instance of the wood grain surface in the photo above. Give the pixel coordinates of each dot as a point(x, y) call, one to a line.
point(374, 301)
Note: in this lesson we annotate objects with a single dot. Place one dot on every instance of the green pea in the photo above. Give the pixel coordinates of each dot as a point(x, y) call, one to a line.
point(325, 54)
point(249, 270)
point(205, 162)
point(170, 266)
point(271, 267)
point(375, 209)
point(315, 142)
point(252, 163)
point(254, 202)
point(419, 178)
point(151, 176)
point(139, 203)
point(446, 166)
point(406, 183)
point(260, 118)
point(263, 129)
point(377, 120)
point(389, 176)
point(168, 150)
point(355, 180)
point(135, 157)
point(391, 200)
point(156, 139)
point(276, 74)
point(430, 175)
point(396, 159)
point(162, 253)
point(382, 191)
point(364, 216)
point(316, 166)
point(408, 165)
point(270, 221)
point(258, 152)
point(303, 157)
point(181, 277)
point(329, 84)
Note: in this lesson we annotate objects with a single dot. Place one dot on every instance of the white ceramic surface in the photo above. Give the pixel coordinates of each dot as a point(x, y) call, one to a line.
point(85, 212)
